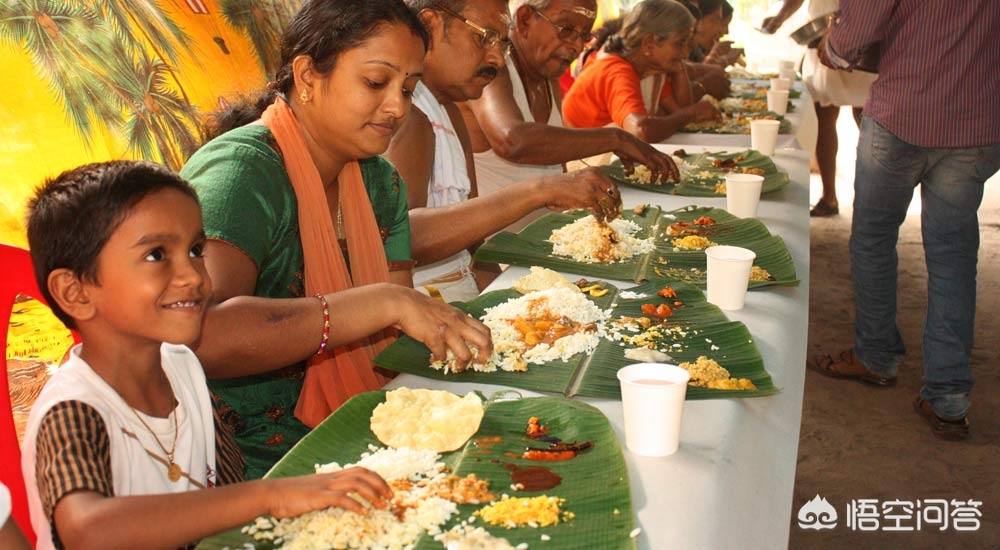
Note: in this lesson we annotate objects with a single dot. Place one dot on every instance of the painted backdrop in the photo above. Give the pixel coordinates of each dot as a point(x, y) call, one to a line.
point(93, 80)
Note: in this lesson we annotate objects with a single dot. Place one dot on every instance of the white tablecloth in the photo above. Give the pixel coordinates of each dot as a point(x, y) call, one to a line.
point(730, 484)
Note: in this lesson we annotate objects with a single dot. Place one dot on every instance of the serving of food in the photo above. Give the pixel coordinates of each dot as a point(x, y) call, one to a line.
point(589, 240)
point(536, 473)
point(750, 90)
point(658, 321)
point(736, 123)
point(703, 173)
point(749, 106)
point(743, 73)
point(540, 326)
point(684, 259)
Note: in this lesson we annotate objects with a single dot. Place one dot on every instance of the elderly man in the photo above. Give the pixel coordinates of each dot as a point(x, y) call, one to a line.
point(516, 127)
point(431, 151)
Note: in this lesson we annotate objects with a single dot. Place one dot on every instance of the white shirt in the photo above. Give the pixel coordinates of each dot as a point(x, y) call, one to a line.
point(134, 471)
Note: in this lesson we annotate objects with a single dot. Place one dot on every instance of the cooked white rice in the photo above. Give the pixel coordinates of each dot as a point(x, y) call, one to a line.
point(644, 175)
point(466, 537)
point(511, 353)
point(585, 240)
point(422, 512)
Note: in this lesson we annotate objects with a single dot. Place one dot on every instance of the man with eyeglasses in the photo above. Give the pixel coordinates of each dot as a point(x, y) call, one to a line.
point(432, 152)
point(516, 126)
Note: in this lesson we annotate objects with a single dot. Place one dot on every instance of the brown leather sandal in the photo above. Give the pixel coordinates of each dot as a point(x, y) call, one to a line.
point(848, 367)
point(822, 210)
point(950, 430)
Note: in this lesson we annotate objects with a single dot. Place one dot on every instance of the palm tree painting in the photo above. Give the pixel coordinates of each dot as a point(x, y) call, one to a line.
point(147, 19)
point(59, 35)
point(99, 69)
point(263, 22)
point(110, 64)
point(159, 121)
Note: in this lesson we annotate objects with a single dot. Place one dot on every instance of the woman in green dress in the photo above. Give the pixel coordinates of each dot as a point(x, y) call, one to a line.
point(280, 194)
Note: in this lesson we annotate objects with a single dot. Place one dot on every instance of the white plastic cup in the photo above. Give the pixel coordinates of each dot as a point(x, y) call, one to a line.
point(788, 74)
point(653, 403)
point(728, 275)
point(743, 194)
point(764, 135)
point(786, 65)
point(781, 83)
point(777, 101)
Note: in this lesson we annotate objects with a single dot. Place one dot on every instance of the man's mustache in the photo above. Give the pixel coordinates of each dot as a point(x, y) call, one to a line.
point(487, 72)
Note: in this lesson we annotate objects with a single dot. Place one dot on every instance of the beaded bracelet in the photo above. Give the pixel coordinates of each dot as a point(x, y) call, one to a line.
point(326, 324)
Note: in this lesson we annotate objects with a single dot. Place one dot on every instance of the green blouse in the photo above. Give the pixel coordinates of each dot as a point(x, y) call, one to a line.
point(247, 200)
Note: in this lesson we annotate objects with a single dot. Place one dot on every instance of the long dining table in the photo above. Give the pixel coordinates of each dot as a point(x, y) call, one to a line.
point(730, 484)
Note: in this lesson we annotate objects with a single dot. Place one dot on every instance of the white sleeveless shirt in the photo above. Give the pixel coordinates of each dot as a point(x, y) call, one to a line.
point(493, 172)
point(134, 471)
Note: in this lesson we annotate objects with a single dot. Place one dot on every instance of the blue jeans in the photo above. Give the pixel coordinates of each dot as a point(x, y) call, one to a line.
point(888, 169)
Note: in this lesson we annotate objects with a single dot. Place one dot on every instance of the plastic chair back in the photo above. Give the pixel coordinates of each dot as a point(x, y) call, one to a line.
point(17, 276)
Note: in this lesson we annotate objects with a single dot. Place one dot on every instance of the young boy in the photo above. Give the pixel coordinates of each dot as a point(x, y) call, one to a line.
point(123, 433)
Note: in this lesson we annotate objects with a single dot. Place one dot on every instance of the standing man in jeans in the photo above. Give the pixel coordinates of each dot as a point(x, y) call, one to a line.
point(932, 118)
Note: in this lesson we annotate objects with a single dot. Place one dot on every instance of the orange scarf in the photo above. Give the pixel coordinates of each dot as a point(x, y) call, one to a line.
point(333, 377)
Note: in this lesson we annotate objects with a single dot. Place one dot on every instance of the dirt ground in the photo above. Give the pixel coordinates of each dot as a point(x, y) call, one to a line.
point(859, 442)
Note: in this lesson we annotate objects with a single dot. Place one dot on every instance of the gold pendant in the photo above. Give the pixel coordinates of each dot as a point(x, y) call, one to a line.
point(174, 472)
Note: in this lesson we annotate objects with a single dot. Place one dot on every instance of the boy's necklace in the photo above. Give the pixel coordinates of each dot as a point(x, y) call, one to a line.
point(174, 471)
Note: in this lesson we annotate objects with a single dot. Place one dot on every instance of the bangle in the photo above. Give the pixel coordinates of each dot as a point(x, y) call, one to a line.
point(326, 324)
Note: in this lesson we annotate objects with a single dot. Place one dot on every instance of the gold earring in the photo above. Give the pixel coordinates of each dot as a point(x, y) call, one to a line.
point(304, 97)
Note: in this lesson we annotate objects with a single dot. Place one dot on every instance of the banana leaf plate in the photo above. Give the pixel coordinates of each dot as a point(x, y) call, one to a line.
point(736, 123)
point(696, 328)
point(700, 176)
point(750, 106)
point(531, 247)
point(595, 484)
point(750, 90)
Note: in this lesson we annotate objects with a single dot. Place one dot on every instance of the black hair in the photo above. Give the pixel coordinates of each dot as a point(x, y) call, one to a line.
point(72, 216)
point(692, 7)
point(607, 29)
point(322, 29)
point(709, 6)
point(727, 9)
point(417, 6)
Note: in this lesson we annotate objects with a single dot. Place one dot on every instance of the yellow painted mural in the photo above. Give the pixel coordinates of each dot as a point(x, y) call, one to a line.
point(91, 80)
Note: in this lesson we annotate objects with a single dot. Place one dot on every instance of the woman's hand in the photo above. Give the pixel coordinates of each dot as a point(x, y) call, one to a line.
point(633, 150)
point(441, 327)
point(293, 496)
point(588, 188)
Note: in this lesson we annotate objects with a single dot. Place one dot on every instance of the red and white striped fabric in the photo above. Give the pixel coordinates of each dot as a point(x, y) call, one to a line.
point(197, 6)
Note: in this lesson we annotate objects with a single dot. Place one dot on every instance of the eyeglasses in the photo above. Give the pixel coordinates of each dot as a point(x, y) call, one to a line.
point(566, 34)
point(489, 37)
